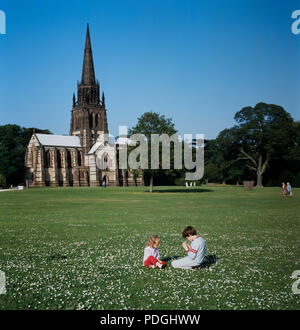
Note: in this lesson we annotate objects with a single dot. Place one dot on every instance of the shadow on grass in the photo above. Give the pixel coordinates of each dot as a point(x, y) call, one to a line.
point(169, 258)
point(207, 262)
point(57, 256)
point(183, 190)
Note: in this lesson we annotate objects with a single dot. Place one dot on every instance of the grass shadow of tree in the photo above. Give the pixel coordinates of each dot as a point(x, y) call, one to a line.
point(187, 190)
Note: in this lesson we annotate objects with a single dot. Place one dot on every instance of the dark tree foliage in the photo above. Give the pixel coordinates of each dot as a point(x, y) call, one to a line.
point(264, 144)
point(154, 123)
point(297, 180)
point(13, 142)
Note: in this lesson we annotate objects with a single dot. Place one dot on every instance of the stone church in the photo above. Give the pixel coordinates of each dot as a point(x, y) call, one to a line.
point(86, 157)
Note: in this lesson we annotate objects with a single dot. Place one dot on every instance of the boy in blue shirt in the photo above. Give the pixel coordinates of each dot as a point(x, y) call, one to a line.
point(195, 251)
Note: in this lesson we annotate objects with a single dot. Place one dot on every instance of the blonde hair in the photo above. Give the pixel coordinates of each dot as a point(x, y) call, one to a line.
point(153, 240)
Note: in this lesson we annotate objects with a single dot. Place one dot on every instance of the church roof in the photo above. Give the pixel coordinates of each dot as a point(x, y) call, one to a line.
point(58, 140)
point(95, 147)
point(100, 143)
point(123, 140)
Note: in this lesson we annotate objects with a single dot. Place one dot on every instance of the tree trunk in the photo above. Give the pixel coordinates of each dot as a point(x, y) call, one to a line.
point(259, 180)
point(259, 167)
point(151, 184)
point(259, 172)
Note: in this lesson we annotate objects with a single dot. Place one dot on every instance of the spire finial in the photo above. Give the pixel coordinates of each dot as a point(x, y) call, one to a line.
point(74, 100)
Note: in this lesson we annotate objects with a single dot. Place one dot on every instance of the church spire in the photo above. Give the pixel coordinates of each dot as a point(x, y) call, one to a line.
point(88, 118)
point(88, 73)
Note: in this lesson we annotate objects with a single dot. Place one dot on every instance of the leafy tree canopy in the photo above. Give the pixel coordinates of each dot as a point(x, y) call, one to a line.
point(153, 123)
point(13, 142)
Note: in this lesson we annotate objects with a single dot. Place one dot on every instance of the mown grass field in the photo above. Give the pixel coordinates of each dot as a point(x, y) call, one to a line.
point(82, 248)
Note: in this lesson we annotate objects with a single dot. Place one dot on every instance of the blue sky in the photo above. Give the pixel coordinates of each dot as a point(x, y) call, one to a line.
point(198, 62)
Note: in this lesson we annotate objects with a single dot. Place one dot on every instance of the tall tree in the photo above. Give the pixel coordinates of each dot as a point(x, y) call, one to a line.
point(153, 123)
point(262, 132)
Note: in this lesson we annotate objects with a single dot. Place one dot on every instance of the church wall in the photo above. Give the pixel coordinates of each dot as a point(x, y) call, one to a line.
point(49, 166)
point(34, 174)
point(93, 170)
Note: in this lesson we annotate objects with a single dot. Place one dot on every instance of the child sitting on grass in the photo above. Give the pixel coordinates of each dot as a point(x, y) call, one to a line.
point(151, 254)
point(195, 251)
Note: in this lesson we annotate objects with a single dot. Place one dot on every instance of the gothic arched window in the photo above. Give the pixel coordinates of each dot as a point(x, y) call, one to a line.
point(79, 157)
point(58, 156)
point(69, 159)
point(47, 158)
point(77, 120)
point(32, 157)
point(105, 159)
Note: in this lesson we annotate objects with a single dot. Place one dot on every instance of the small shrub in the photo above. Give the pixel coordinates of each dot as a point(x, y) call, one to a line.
point(273, 183)
point(297, 180)
point(179, 181)
point(287, 176)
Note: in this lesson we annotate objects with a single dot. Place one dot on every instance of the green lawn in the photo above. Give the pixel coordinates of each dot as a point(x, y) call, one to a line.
point(74, 248)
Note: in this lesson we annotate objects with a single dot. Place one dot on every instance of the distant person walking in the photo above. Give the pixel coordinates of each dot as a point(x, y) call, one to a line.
point(284, 189)
point(289, 189)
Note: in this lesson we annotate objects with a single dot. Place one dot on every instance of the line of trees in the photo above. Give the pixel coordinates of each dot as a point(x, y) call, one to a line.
point(263, 146)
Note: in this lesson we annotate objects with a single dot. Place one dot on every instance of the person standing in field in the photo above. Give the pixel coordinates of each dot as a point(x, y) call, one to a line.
point(195, 251)
point(289, 189)
point(284, 189)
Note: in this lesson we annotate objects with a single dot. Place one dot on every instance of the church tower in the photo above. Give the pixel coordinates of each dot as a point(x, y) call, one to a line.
point(88, 119)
